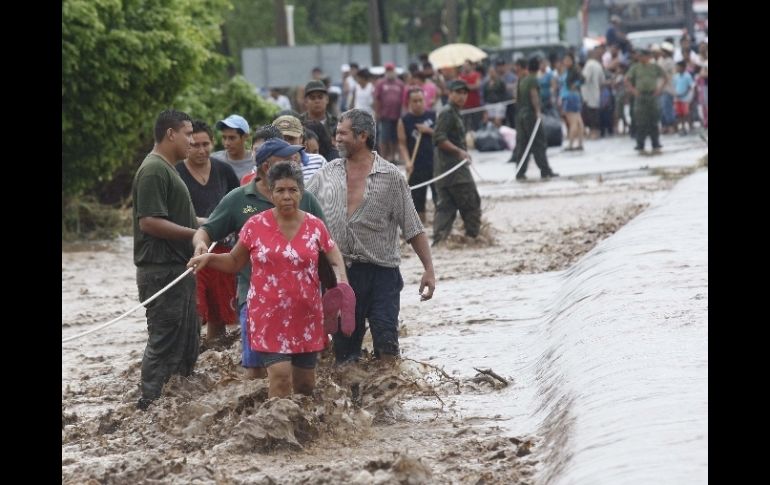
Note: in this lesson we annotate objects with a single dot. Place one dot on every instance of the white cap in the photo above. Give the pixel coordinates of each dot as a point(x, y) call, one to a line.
point(345, 67)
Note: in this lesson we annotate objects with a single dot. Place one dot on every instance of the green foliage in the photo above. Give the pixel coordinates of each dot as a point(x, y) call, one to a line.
point(250, 24)
point(122, 63)
point(216, 101)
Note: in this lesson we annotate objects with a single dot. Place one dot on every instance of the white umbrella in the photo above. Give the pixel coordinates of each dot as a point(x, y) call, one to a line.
point(452, 55)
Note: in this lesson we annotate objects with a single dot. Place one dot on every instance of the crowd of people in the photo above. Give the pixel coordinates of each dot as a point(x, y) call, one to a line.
point(588, 90)
point(319, 186)
point(291, 210)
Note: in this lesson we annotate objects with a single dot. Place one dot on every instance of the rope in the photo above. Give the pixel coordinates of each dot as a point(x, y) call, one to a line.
point(526, 150)
point(156, 295)
point(462, 112)
point(153, 297)
point(428, 182)
point(483, 108)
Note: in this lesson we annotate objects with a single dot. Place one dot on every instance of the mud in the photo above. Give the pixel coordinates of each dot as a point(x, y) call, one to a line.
point(365, 425)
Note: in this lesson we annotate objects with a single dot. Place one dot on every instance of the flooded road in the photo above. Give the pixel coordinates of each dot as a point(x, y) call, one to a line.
point(585, 327)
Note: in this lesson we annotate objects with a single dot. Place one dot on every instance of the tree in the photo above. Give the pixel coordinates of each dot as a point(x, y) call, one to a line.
point(124, 61)
point(219, 100)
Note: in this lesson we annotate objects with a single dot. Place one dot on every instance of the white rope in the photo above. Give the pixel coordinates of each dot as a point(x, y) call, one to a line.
point(153, 297)
point(483, 108)
point(526, 150)
point(428, 182)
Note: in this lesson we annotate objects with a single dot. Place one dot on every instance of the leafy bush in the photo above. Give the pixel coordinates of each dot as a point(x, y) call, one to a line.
point(122, 63)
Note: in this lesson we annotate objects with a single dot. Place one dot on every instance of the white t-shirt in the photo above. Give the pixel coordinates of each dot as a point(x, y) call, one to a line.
point(694, 57)
point(364, 98)
point(591, 89)
point(282, 101)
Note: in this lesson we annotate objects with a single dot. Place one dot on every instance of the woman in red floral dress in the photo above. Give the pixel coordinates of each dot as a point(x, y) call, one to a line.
point(284, 299)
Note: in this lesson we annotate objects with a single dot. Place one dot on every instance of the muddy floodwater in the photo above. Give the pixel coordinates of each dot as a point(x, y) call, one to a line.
point(458, 407)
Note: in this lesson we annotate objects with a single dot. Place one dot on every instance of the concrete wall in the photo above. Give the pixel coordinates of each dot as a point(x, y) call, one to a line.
point(291, 66)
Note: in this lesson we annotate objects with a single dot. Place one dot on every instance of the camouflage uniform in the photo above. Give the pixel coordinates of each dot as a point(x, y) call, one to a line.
point(646, 107)
point(457, 191)
point(525, 122)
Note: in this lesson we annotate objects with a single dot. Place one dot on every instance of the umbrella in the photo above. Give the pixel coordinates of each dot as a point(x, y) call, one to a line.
point(452, 55)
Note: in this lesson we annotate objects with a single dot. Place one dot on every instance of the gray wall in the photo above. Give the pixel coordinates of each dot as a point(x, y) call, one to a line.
point(291, 66)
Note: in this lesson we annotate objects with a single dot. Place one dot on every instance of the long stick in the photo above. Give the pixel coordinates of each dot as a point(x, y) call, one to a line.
point(414, 152)
point(492, 373)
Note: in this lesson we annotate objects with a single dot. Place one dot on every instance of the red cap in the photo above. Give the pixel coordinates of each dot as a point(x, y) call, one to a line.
point(389, 66)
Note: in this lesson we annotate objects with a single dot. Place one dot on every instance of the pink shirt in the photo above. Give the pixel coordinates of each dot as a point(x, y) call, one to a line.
point(285, 311)
point(429, 91)
point(474, 99)
point(388, 94)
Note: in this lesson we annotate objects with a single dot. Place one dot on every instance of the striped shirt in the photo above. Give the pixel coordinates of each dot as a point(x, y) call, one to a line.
point(314, 163)
point(371, 234)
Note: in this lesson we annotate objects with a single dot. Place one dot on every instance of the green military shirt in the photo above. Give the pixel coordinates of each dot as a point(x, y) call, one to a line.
point(159, 191)
point(236, 208)
point(644, 77)
point(525, 110)
point(330, 122)
point(449, 126)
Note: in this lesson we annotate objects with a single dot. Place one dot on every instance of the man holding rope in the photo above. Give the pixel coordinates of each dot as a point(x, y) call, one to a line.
point(527, 115)
point(415, 130)
point(164, 224)
point(458, 190)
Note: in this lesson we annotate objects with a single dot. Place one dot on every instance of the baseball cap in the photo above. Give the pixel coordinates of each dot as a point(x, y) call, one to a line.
point(235, 122)
point(315, 85)
point(457, 85)
point(273, 147)
point(667, 46)
point(289, 125)
point(389, 66)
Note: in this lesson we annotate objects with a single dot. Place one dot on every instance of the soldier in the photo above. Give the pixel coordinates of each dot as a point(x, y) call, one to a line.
point(527, 113)
point(645, 82)
point(456, 191)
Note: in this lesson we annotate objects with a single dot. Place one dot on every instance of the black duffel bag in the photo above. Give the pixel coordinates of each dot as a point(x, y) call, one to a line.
point(552, 126)
point(489, 139)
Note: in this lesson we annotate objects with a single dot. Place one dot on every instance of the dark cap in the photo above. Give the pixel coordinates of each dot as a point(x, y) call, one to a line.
point(458, 85)
point(275, 146)
point(645, 52)
point(315, 86)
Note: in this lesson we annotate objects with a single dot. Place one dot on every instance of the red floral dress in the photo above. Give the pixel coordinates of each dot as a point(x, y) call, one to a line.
point(285, 312)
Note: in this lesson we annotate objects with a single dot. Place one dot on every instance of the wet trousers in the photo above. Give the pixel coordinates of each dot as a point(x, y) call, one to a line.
point(646, 118)
point(460, 197)
point(523, 133)
point(378, 299)
point(173, 326)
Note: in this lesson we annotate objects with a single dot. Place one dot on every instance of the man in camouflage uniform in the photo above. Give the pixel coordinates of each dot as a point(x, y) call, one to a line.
point(456, 191)
point(645, 81)
point(527, 114)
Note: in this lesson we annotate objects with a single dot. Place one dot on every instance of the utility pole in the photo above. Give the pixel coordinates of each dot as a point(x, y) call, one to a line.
point(374, 32)
point(281, 36)
point(451, 21)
